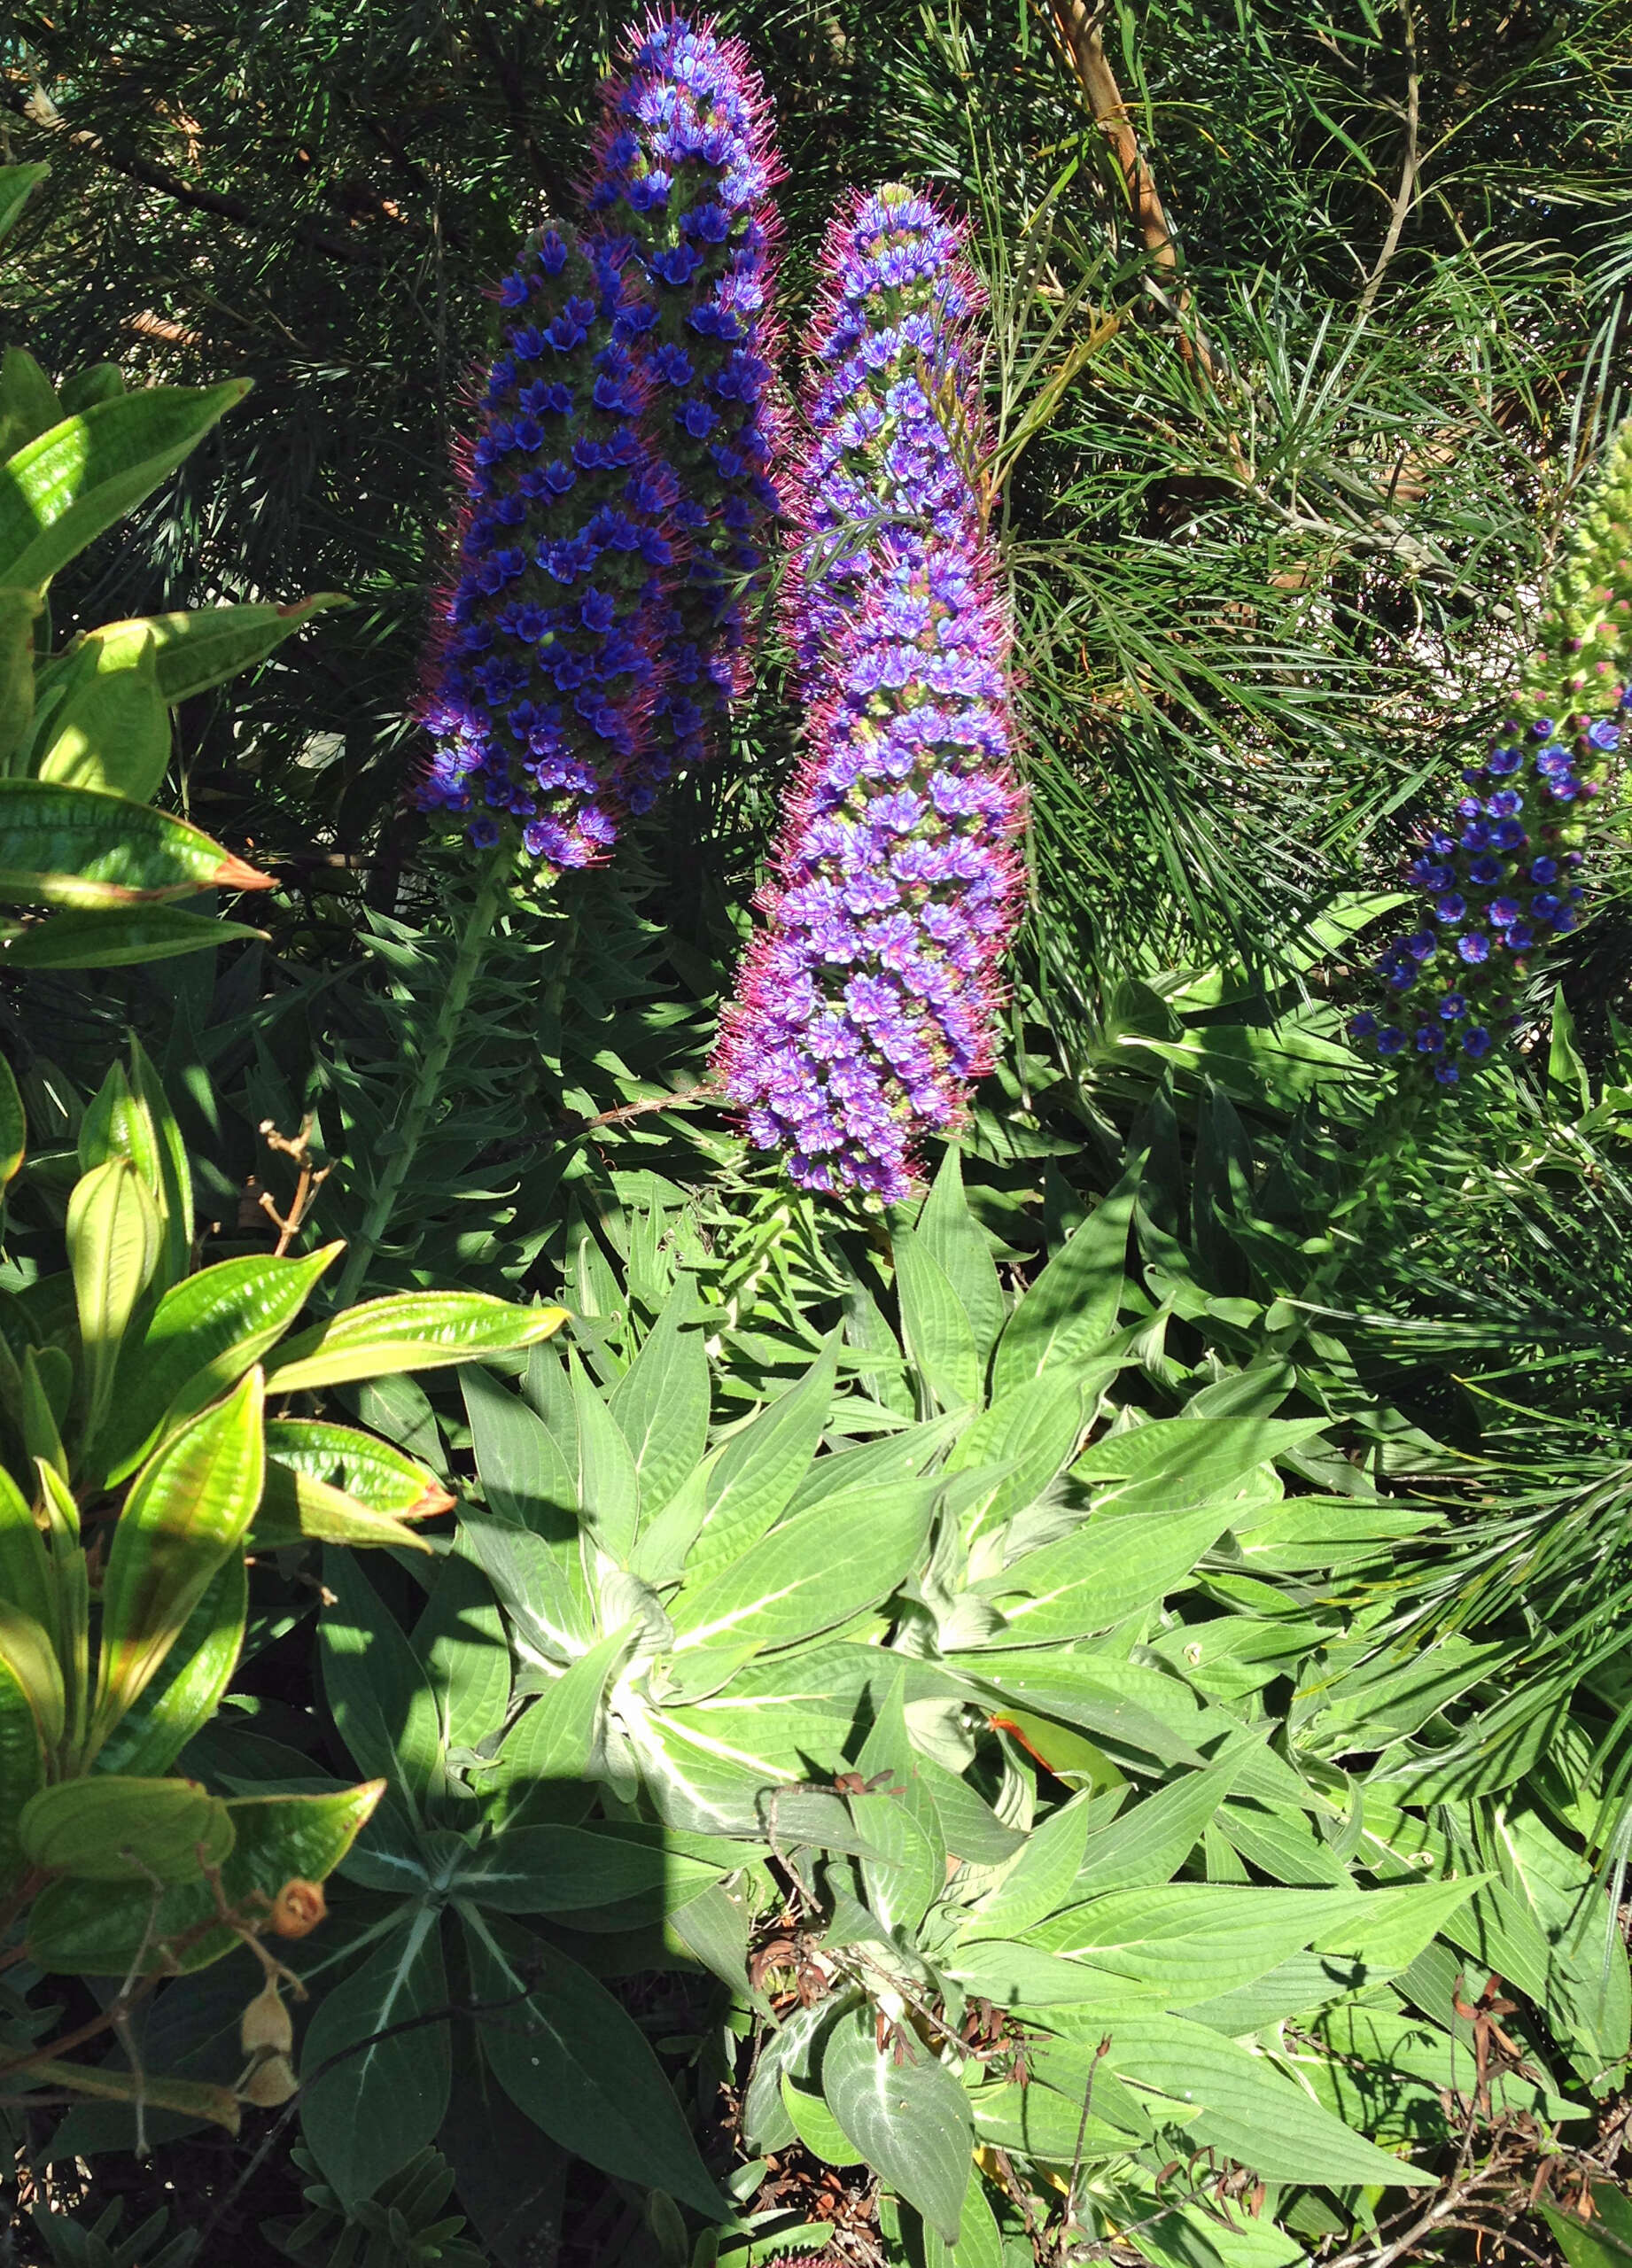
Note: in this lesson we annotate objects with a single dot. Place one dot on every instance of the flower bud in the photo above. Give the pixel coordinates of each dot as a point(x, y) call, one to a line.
point(297, 1909)
point(265, 2022)
point(269, 2084)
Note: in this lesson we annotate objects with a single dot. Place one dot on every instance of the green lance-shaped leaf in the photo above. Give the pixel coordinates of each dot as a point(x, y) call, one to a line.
point(194, 2100)
point(1074, 1304)
point(414, 1330)
point(114, 1828)
point(186, 1692)
point(75, 847)
point(188, 1507)
point(29, 403)
point(99, 1929)
point(386, 2093)
point(753, 1481)
point(909, 2120)
point(553, 1747)
point(940, 1337)
point(17, 611)
point(103, 721)
point(170, 1172)
point(28, 1651)
point(47, 1382)
point(195, 651)
point(205, 1334)
point(13, 1125)
point(25, 1569)
point(59, 493)
point(329, 1484)
point(96, 382)
point(18, 184)
point(113, 1236)
point(22, 1769)
point(129, 938)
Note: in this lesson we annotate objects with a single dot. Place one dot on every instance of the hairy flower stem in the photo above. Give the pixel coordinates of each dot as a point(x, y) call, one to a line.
point(410, 1130)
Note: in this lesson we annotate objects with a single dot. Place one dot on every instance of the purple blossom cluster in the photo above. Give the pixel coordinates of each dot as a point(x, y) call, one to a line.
point(680, 203)
point(1496, 884)
point(544, 678)
point(867, 1005)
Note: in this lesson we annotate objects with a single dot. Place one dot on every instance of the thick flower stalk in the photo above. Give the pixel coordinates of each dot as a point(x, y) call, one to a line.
point(1501, 880)
point(544, 684)
point(867, 1005)
point(680, 205)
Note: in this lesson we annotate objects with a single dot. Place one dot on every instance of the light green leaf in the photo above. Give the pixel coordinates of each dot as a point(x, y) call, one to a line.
point(526, 1475)
point(661, 1403)
point(75, 847)
point(118, 1828)
point(940, 1339)
point(564, 1869)
point(609, 1486)
point(1075, 1301)
point(814, 1572)
point(1194, 1454)
point(187, 1689)
point(107, 726)
point(127, 938)
point(1110, 1567)
point(909, 2121)
point(29, 403)
point(59, 493)
point(13, 1125)
point(1043, 1876)
point(1147, 1844)
point(113, 1237)
point(460, 1640)
point(557, 1739)
point(759, 1468)
point(383, 2097)
point(18, 613)
point(412, 1331)
point(195, 651)
point(954, 1239)
point(380, 1697)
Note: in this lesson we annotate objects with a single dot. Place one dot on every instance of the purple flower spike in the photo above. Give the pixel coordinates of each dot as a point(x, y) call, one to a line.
point(865, 1006)
point(543, 682)
point(679, 203)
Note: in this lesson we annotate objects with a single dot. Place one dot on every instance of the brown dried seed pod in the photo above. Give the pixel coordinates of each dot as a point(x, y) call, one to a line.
point(266, 2023)
point(297, 1909)
point(269, 2084)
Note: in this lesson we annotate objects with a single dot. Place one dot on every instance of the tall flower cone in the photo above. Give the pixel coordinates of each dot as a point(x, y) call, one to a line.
point(867, 1005)
point(1500, 880)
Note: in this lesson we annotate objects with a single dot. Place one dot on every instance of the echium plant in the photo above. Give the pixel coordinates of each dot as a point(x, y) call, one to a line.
point(679, 203)
point(545, 677)
point(867, 1005)
point(1501, 880)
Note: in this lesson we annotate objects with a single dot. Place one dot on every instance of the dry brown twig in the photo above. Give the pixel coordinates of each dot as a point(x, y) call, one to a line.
point(311, 1179)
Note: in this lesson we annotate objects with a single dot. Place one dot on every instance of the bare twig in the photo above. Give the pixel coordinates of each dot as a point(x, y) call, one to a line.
point(311, 1179)
point(1405, 196)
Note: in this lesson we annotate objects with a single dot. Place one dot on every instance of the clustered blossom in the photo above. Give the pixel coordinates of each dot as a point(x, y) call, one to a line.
point(1500, 882)
point(680, 203)
point(546, 677)
point(866, 1004)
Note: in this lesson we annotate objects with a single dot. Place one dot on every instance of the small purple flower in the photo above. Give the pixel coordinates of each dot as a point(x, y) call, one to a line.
point(1474, 948)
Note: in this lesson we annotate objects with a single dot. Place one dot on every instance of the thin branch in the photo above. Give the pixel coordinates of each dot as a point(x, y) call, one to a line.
point(1405, 196)
point(39, 109)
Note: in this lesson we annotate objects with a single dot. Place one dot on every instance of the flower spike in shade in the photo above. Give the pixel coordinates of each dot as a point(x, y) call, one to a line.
point(1499, 880)
point(679, 201)
point(544, 683)
point(865, 1006)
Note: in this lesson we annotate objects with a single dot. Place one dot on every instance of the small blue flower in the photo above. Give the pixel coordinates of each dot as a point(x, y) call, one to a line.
point(1476, 1041)
point(1453, 1005)
point(1364, 1026)
point(1446, 1074)
point(1452, 908)
point(1428, 1041)
point(1390, 1040)
point(1474, 947)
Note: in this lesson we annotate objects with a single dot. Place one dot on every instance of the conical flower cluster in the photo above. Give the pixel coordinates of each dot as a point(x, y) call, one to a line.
point(680, 198)
point(1500, 881)
point(866, 1004)
point(619, 488)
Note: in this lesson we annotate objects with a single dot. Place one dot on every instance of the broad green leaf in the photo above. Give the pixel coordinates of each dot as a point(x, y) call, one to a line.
point(909, 2120)
point(815, 2124)
point(129, 937)
point(24, 1571)
point(22, 1766)
point(1075, 1690)
point(460, 1640)
point(564, 1869)
point(108, 727)
point(195, 651)
point(906, 1871)
point(1185, 1941)
point(1108, 1568)
point(1075, 1301)
point(372, 2096)
point(113, 1238)
point(379, 1695)
point(814, 1572)
point(754, 1478)
point(187, 1690)
point(1147, 1844)
point(549, 1607)
point(198, 2101)
point(99, 1929)
point(18, 184)
point(609, 1485)
point(29, 1652)
point(568, 2055)
point(18, 613)
point(1033, 1429)
point(59, 493)
point(205, 1334)
point(29, 403)
point(527, 1475)
point(940, 1339)
point(661, 1403)
point(1389, 1926)
point(116, 1828)
point(1603, 2241)
point(951, 1236)
point(330, 1484)
point(92, 383)
point(1194, 1454)
point(13, 1125)
point(78, 848)
point(412, 1331)
point(1233, 2099)
point(555, 1740)
point(1042, 1878)
point(188, 1507)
